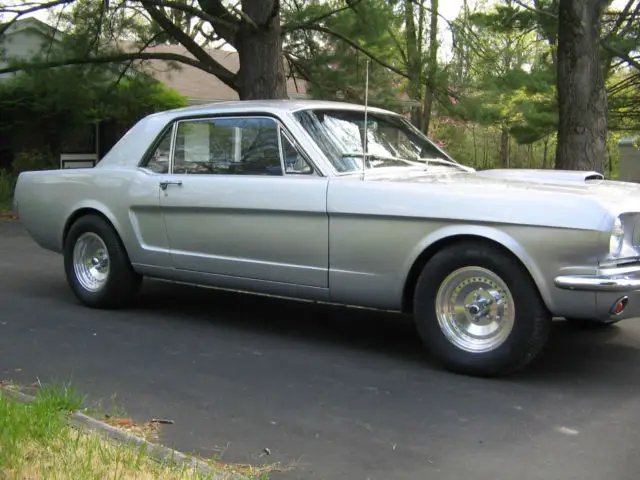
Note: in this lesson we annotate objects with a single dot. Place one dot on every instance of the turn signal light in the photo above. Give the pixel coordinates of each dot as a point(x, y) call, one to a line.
point(619, 306)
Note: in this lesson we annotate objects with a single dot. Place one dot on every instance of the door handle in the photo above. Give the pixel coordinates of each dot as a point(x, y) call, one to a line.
point(165, 183)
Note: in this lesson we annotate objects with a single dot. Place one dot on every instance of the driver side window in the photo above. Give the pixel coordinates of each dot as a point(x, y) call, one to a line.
point(228, 146)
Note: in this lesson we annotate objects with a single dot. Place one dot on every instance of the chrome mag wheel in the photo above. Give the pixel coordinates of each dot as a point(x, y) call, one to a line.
point(91, 262)
point(475, 309)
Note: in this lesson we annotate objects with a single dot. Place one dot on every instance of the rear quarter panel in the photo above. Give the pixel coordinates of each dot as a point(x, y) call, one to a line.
point(47, 199)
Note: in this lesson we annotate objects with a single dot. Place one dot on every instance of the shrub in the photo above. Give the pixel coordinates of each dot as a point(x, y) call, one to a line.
point(33, 159)
point(7, 184)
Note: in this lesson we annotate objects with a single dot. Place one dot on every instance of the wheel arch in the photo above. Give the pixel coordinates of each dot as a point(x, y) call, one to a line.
point(91, 210)
point(450, 236)
point(117, 291)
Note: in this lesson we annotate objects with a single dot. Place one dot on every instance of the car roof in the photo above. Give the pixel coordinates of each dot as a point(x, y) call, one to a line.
point(271, 106)
point(132, 146)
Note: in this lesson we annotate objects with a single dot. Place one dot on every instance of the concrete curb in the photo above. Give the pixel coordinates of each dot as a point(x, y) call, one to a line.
point(158, 452)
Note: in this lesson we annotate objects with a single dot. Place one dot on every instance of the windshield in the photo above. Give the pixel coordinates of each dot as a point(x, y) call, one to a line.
point(391, 140)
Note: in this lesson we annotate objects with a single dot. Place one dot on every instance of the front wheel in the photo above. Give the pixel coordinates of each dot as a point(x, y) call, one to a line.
point(478, 310)
point(97, 266)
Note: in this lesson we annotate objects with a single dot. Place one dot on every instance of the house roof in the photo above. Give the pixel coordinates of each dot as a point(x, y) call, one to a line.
point(30, 23)
point(195, 84)
point(199, 86)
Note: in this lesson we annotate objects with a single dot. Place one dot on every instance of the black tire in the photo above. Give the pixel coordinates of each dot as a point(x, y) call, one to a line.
point(531, 322)
point(582, 324)
point(122, 282)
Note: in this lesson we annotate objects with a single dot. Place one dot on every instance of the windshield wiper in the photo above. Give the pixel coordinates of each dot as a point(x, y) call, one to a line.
point(442, 161)
point(420, 162)
point(379, 156)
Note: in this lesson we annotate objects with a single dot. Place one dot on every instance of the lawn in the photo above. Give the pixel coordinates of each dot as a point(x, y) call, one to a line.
point(37, 442)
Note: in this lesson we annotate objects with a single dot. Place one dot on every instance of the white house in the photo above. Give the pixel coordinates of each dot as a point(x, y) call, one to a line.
point(25, 39)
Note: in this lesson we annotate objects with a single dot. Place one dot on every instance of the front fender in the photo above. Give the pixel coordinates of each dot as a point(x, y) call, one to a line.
point(450, 232)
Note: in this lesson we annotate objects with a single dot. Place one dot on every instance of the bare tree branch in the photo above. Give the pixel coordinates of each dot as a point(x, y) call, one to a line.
point(208, 37)
point(215, 8)
point(620, 19)
point(624, 56)
point(230, 28)
point(301, 71)
point(627, 82)
point(131, 62)
point(43, 6)
point(350, 4)
point(534, 10)
point(353, 44)
point(606, 45)
point(170, 28)
point(294, 65)
point(405, 59)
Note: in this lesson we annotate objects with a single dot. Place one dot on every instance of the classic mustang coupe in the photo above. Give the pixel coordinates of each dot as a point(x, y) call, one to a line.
point(337, 203)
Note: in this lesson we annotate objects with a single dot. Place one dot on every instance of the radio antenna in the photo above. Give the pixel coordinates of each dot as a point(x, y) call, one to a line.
point(366, 124)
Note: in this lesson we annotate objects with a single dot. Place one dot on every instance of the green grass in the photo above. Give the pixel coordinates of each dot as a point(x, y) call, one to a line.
point(37, 442)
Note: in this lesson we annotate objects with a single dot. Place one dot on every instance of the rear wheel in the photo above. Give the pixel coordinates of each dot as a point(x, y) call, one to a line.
point(97, 266)
point(479, 311)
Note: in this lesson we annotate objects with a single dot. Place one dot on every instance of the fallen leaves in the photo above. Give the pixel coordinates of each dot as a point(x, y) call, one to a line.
point(148, 431)
point(8, 217)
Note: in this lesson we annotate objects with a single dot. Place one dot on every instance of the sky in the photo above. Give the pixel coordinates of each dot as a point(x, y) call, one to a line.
point(448, 9)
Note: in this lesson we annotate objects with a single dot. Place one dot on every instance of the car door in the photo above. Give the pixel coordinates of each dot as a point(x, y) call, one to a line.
point(230, 208)
point(143, 203)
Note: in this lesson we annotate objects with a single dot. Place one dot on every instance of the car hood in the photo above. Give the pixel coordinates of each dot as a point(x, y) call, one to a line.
point(527, 183)
point(566, 199)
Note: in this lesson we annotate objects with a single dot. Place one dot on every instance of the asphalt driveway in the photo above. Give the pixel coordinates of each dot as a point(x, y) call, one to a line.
point(342, 393)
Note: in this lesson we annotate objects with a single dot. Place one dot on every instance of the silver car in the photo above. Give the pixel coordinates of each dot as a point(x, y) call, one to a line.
point(292, 198)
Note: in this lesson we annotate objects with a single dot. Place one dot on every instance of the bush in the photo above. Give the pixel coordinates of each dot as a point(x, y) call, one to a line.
point(32, 159)
point(7, 184)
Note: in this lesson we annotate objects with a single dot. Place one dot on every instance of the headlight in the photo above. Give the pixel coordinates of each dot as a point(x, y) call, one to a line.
point(616, 241)
point(624, 241)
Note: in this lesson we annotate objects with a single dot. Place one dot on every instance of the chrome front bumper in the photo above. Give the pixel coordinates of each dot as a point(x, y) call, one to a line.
point(597, 283)
point(614, 290)
point(608, 279)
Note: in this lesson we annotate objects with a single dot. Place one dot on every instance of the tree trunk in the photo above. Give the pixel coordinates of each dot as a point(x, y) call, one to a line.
point(582, 98)
point(432, 67)
point(414, 62)
point(504, 148)
point(545, 153)
point(475, 146)
point(261, 74)
point(485, 155)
